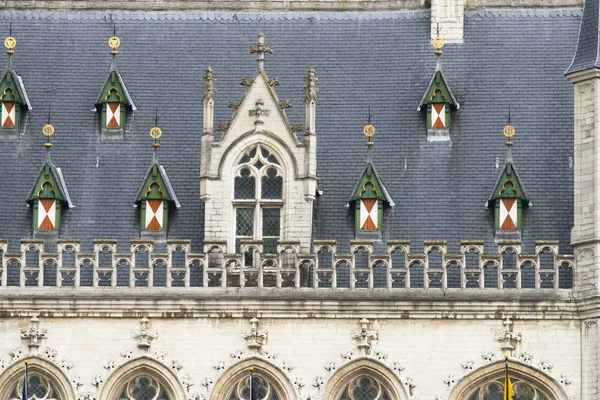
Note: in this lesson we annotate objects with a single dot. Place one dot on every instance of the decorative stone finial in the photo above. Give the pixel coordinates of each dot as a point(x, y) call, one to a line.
point(209, 86)
point(144, 336)
point(364, 337)
point(254, 338)
point(34, 334)
point(261, 48)
point(508, 339)
point(311, 89)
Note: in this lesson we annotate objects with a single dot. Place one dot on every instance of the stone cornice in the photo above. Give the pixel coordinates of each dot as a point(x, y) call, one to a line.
point(216, 303)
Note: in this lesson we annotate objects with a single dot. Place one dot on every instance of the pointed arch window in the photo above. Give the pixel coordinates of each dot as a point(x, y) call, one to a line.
point(365, 388)
point(144, 387)
point(39, 387)
point(495, 390)
point(262, 388)
point(258, 198)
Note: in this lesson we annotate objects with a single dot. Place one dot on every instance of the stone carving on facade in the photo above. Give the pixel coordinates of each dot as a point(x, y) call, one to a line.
point(16, 354)
point(525, 357)
point(209, 85)
point(468, 366)
point(364, 337)
point(451, 380)
point(274, 82)
point(87, 396)
point(144, 336)
point(331, 367)
point(34, 334)
point(285, 104)
point(50, 354)
point(489, 357)
point(255, 338)
point(311, 89)
point(508, 339)
point(259, 111)
point(564, 380)
point(159, 355)
point(246, 81)
point(319, 383)
point(233, 104)
point(545, 366)
point(98, 381)
point(127, 355)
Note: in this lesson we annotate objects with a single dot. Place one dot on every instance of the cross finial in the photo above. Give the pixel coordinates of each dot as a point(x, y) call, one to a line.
point(261, 48)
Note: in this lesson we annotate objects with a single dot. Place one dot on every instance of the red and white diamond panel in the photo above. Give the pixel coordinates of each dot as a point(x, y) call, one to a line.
point(368, 214)
point(438, 115)
point(8, 114)
point(508, 214)
point(154, 215)
point(113, 115)
point(47, 214)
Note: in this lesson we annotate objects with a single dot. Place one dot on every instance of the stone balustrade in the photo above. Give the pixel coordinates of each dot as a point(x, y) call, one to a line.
point(362, 268)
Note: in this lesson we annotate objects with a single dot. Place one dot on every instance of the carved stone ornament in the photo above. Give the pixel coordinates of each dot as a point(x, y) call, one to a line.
point(34, 334)
point(311, 89)
point(285, 104)
point(255, 339)
point(489, 357)
point(259, 111)
point(144, 336)
point(364, 337)
point(209, 86)
point(508, 339)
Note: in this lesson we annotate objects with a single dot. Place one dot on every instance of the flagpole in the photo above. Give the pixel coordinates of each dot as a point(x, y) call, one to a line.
point(506, 379)
point(251, 369)
point(24, 394)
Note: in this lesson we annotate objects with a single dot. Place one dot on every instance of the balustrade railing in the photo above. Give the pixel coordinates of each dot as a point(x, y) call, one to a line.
point(398, 268)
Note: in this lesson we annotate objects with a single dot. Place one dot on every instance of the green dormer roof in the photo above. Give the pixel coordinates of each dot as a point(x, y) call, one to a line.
point(509, 183)
point(438, 91)
point(157, 185)
point(50, 185)
point(12, 85)
point(114, 90)
point(369, 186)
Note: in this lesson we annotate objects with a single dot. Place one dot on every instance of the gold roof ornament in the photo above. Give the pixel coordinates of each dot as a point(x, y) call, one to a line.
point(48, 130)
point(114, 42)
point(509, 131)
point(10, 42)
point(369, 131)
point(438, 42)
point(155, 131)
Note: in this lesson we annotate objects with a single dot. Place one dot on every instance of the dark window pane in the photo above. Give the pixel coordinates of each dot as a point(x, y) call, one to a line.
point(244, 222)
point(244, 185)
point(271, 224)
point(272, 185)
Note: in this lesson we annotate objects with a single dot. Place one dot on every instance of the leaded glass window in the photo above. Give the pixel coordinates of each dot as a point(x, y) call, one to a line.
point(258, 198)
point(143, 388)
point(38, 388)
point(272, 185)
point(365, 388)
point(495, 391)
point(263, 389)
point(271, 226)
point(245, 185)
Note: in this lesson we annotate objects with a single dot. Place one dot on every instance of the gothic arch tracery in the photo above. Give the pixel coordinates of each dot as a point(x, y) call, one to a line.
point(364, 379)
point(274, 383)
point(141, 379)
point(524, 377)
point(46, 381)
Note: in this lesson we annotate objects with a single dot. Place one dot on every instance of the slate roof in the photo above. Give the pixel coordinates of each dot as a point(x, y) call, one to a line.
point(588, 44)
point(378, 59)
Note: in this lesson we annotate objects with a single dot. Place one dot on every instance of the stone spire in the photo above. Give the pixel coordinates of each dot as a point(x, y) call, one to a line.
point(208, 100)
point(261, 48)
point(310, 99)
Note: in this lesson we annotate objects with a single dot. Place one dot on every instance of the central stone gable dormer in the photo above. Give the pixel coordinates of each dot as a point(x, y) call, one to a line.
point(258, 182)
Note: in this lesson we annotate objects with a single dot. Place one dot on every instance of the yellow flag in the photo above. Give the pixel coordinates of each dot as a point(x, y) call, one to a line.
point(508, 388)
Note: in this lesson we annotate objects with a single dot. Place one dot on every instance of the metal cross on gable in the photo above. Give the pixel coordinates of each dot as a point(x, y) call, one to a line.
point(34, 334)
point(261, 48)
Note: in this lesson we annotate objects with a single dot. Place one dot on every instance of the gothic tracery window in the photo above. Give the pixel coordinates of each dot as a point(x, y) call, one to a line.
point(143, 387)
point(258, 198)
point(263, 389)
point(38, 388)
point(495, 391)
point(365, 388)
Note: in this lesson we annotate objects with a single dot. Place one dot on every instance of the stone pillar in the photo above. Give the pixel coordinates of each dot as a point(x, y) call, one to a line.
point(585, 235)
point(450, 15)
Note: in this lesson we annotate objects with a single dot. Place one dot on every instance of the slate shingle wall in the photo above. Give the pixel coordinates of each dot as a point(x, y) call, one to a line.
point(382, 60)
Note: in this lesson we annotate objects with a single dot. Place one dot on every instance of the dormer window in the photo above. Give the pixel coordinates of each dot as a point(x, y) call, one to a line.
point(13, 97)
point(508, 197)
point(438, 101)
point(258, 192)
point(9, 115)
point(114, 101)
point(156, 196)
